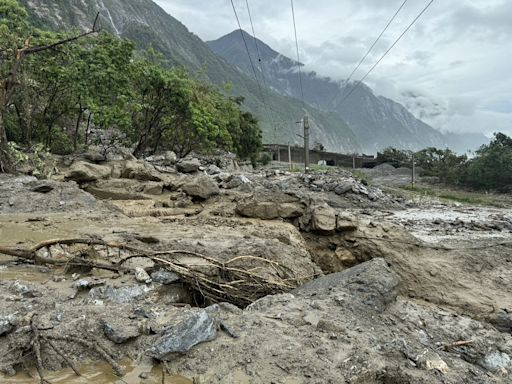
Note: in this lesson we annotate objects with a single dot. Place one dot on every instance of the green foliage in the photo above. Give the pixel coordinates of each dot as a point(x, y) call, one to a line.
point(265, 159)
point(396, 157)
point(99, 83)
point(442, 163)
point(491, 168)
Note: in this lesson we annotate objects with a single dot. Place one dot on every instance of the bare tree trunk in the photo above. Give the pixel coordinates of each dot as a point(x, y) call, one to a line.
point(6, 164)
point(77, 127)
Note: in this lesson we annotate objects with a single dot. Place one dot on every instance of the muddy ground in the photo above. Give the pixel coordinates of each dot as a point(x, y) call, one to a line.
point(396, 291)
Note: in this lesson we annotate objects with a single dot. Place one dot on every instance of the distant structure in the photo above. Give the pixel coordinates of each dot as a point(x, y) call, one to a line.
point(279, 152)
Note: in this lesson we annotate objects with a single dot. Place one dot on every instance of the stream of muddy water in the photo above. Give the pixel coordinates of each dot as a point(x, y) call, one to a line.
point(100, 374)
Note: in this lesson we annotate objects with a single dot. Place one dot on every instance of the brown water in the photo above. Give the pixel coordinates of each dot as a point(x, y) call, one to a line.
point(99, 374)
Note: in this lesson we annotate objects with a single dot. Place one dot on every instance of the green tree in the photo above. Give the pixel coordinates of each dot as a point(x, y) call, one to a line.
point(491, 168)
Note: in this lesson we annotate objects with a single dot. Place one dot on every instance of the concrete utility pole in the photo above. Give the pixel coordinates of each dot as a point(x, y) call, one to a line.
point(306, 142)
point(413, 171)
point(290, 156)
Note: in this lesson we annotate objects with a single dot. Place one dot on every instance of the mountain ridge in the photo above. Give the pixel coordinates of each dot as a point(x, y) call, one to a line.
point(146, 23)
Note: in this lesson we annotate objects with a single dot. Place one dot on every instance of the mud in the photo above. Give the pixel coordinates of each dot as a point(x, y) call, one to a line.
point(425, 296)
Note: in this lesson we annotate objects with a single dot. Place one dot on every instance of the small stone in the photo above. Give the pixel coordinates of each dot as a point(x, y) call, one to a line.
point(164, 277)
point(119, 334)
point(429, 361)
point(142, 276)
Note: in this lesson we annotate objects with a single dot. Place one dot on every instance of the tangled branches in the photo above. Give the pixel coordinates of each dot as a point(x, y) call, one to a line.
point(240, 280)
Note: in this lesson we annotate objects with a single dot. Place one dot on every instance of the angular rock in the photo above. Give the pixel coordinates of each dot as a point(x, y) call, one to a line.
point(25, 290)
point(164, 277)
point(343, 187)
point(170, 158)
point(372, 284)
point(429, 361)
point(496, 361)
point(188, 165)
point(213, 170)
point(268, 210)
point(237, 181)
point(142, 276)
point(153, 188)
point(82, 172)
point(502, 321)
point(120, 295)
point(94, 156)
point(119, 334)
point(7, 324)
point(201, 187)
point(323, 219)
point(346, 222)
point(141, 171)
point(184, 333)
point(41, 187)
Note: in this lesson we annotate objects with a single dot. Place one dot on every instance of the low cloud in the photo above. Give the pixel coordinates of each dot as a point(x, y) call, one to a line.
point(456, 58)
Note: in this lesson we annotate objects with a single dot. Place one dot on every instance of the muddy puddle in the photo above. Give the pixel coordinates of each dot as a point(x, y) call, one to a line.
point(100, 374)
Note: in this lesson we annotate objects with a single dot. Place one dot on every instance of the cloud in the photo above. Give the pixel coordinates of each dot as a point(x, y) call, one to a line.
point(455, 60)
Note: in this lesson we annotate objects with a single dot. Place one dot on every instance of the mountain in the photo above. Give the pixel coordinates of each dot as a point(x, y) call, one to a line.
point(147, 24)
point(376, 121)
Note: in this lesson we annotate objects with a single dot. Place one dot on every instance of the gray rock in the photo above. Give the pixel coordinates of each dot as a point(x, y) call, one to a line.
point(372, 284)
point(7, 324)
point(496, 361)
point(170, 158)
point(153, 188)
point(343, 187)
point(142, 276)
point(346, 222)
point(82, 172)
point(140, 170)
point(268, 210)
point(237, 181)
point(25, 290)
point(120, 295)
point(119, 334)
point(164, 277)
point(94, 156)
point(41, 187)
point(323, 219)
point(502, 321)
point(188, 165)
point(213, 170)
point(201, 187)
point(184, 333)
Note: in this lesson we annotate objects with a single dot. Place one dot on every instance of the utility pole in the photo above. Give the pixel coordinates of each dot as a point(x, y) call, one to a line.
point(306, 143)
point(290, 156)
point(413, 171)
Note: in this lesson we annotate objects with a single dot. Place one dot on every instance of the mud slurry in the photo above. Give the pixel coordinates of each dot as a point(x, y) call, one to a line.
point(407, 311)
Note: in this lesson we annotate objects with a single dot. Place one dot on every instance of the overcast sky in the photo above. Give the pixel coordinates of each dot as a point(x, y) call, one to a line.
point(453, 69)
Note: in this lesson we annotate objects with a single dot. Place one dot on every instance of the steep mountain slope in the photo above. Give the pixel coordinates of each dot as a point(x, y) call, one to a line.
point(146, 23)
point(377, 122)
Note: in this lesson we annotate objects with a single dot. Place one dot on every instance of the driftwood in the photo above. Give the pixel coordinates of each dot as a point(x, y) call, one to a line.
point(214, 280)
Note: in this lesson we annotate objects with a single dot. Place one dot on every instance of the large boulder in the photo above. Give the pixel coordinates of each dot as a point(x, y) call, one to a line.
point(201, 187)
point(188, 165)
point(372, 285)
point(140, 170)
point(83, 172)
point(183, 333)
point(269, 210)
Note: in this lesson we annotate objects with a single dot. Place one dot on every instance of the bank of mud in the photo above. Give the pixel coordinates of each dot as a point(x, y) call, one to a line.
point(416, 297)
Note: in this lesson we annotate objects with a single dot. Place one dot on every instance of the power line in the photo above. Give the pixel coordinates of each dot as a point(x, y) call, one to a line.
point(250, 60)
point(261, 70)
point(298, 55)
point(385, 53)
point(370, 49)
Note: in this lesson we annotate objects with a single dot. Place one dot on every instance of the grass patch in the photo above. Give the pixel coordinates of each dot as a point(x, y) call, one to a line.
point(459, 196)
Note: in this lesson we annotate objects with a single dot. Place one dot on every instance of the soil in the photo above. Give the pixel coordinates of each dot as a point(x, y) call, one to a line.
point(422, 292)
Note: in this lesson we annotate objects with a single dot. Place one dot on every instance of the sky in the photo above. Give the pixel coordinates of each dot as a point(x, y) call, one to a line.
point(452, 69)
